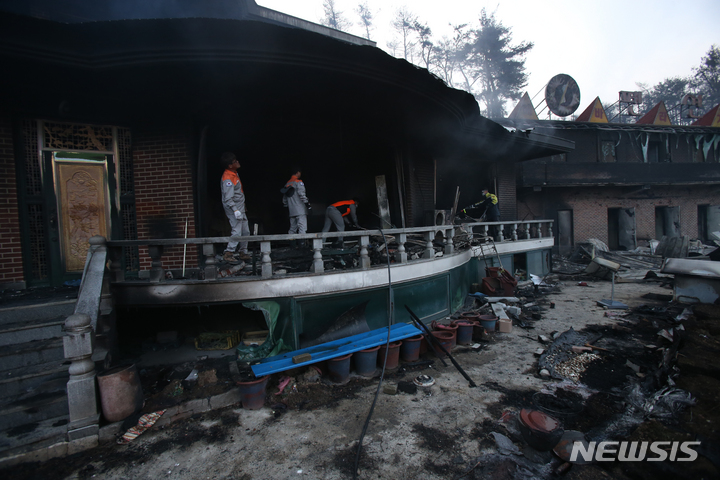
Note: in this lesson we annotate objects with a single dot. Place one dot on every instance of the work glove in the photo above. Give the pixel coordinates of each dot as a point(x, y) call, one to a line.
point(239, 215)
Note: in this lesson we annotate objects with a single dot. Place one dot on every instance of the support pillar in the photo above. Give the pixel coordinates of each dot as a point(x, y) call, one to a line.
point(210, 262)
point(317, 266)
point(78, 344)
point(266, 268)
point(401, 254)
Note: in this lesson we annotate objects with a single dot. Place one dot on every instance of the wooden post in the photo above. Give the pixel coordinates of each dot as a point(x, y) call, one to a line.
point(501, 232)
point(514, 231)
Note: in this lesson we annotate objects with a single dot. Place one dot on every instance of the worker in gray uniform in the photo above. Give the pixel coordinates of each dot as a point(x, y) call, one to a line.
point(233, 200)
point(337, 214)
point(296, 201)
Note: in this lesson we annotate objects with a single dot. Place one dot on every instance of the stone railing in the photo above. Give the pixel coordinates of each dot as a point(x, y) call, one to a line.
point(79, 346)
point(444, 237)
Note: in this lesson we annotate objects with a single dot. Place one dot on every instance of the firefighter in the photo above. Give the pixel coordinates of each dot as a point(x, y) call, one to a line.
point(489, 207)
point(233, 200)
point(338, 214)
point(295, 199)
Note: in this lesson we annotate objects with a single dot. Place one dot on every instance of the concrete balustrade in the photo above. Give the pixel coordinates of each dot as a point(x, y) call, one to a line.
point(398, 240)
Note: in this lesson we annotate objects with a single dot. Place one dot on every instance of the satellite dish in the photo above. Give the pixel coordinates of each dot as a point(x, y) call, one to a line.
point(562, 95)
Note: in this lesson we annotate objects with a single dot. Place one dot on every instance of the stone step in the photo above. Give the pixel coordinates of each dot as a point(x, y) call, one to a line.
point(24, 381)
point(37, 437)
point(27, 331)
point(21, 414)
point(36, 311)
point(30, 353)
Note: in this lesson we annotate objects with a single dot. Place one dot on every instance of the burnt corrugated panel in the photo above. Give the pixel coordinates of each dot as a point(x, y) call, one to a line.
point(419, 189)
point(507, 197)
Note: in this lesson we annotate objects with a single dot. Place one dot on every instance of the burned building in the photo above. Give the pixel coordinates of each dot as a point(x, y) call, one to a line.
point(625, 183)
point(112, 124)
point(152, 95)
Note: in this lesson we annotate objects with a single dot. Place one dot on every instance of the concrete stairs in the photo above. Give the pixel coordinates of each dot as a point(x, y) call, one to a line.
point(33, 375)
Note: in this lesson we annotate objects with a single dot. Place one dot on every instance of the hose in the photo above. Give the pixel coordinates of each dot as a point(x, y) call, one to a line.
point(391, 310)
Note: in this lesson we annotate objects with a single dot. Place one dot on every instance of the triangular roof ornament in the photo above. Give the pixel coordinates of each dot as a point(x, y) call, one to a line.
point(710, 119)
point(524, 110)
point(594, 113)
point(658, 115)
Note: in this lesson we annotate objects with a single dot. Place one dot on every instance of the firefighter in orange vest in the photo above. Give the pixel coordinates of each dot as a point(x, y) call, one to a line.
point(338, 214)
point(298, 205)
point(233, 200)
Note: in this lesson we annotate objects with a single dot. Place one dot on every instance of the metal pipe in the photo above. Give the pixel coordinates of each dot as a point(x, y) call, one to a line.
point(431, 338)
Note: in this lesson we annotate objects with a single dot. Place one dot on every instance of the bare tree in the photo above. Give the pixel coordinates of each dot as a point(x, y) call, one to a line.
point(425, 43)
point(333, 17)
point(403, 24)
point(447, 56)
point(366, 18)
point(392, 47)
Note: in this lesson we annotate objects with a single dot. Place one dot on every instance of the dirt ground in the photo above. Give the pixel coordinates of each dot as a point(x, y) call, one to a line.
point(445, 431)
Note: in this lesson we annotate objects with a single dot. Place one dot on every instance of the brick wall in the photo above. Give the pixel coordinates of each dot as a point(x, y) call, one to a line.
point(590, 207)
point(11, 270)
point(164, 193)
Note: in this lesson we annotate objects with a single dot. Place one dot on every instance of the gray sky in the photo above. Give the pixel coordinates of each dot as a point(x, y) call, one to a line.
point(605, 45)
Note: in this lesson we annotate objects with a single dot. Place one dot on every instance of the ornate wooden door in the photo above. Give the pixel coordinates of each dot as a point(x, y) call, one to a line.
point(81, 192)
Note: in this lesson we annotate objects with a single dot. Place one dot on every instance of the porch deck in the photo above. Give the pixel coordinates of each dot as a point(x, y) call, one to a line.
point(415, 253)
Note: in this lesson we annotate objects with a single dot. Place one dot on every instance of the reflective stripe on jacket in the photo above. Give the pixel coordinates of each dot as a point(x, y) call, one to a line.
point(344, 206)
point(296, 203)
point(233, 197)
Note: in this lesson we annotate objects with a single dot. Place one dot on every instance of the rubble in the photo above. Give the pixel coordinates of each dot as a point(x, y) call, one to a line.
point(452, 430)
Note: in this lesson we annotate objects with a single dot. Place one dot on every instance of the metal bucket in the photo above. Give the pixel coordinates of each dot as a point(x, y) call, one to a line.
point(120, 392)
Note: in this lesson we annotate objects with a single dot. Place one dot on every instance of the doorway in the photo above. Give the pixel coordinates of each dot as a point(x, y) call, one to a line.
point(621, 229)
point(77, 196)
point(565, 232)
point(667, 222)
point(708, 221)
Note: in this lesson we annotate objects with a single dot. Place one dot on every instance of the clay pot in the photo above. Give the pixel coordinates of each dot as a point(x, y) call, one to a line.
point(410, 348)
point(464, 331)
point(120, 392)
point(488, 322)
point(540, 431)
point(339, 368)
point(365, 361)
point(393, 355)
point(448, 328)
point(252, 393)
point(446, 339)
